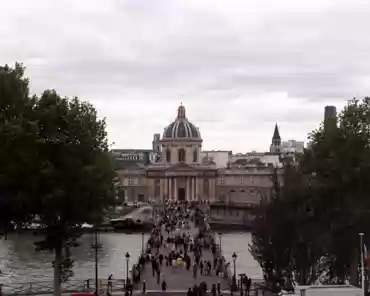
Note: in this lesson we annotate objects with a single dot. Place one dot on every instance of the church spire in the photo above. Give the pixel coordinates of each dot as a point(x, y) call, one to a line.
point(276, 135)
point(276, 141)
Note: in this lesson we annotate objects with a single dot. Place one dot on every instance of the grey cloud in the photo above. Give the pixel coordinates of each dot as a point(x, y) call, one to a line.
point(208, 55)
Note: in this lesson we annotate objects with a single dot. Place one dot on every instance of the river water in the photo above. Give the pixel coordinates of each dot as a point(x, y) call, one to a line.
point(19, 262)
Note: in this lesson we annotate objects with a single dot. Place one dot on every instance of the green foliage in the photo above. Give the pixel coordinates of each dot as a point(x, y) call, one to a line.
point(310, 229)
point(18, 131)
point(55, 163)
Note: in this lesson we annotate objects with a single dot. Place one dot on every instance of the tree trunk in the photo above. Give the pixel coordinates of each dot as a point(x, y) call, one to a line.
point(57, 273)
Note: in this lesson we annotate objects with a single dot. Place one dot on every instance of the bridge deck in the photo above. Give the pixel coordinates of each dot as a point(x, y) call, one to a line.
point(180, 278)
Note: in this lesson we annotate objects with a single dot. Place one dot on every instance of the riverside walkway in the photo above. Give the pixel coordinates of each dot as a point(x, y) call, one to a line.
point(179, 278)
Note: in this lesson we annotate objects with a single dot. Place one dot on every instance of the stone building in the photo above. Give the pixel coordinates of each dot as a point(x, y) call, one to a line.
point(178, 169)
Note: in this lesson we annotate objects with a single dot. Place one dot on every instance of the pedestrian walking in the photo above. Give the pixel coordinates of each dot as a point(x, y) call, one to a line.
point(110, 284)
point(164, 286)
point(189, 293)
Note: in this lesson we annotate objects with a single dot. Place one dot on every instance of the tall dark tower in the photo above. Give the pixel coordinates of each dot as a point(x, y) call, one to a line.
point(276, 141)
point(330, 116)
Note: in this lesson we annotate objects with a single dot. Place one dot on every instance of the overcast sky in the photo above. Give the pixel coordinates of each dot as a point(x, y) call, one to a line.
point(238, 66)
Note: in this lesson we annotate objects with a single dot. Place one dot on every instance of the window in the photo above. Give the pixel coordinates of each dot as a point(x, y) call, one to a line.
point(195, 156)
point(129, 181)
point(181, 155)
point(242, 180)
point(168, 155)
point(222, 180)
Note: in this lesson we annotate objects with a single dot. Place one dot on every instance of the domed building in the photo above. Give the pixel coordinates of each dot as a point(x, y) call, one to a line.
point(180, 173)
point(177, 168)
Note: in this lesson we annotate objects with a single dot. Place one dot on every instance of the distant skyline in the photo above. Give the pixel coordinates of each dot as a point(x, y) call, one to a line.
point(238, 66)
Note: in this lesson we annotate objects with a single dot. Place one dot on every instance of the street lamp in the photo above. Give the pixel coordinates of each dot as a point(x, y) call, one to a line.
point(96, 246)
point(234, 256)
point(127, 256)
point(362, 262)
point(219, 236)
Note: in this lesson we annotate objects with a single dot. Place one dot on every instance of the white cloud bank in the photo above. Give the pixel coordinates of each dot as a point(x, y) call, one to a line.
point(238, 66)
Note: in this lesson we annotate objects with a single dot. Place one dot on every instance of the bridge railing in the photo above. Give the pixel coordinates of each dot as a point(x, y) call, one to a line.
point(71, 286)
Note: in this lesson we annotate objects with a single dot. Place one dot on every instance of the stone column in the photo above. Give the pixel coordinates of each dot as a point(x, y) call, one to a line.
point(165, 187)
point(187, 188)
point(190, 188)
point(170, 195)
point(196, 188)
point(212, 189)
point(193, 190)
point(175, 188)
point(161, 188)
point(200, 191)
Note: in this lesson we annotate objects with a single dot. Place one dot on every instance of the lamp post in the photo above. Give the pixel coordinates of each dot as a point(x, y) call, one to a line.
point(234, 256)
point(362, 262)
point(142, 243)
point(96, 246)
point(127, 256)
point(219, 236)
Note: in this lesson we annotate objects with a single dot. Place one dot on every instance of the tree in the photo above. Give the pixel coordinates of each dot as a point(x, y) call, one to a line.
point(323, 203)
point(286, 234)
point(340, 156)
point(54, 163)
point(76, 174)
point(17, 150)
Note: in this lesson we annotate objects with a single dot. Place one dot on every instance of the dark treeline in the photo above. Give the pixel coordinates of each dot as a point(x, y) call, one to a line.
point(309, 232)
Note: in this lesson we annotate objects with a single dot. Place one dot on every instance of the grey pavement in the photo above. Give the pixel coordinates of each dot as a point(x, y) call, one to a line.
point(180, 278)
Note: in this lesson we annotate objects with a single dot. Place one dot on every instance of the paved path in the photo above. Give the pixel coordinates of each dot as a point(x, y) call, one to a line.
point(181, 279)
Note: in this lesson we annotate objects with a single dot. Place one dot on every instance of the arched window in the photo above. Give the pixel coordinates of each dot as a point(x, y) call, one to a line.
point(181, 155)
point(206, 188)
point(168, 155)
point(195, 156)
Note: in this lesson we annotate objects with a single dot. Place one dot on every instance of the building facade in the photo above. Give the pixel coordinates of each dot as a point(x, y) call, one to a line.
point(178, 169)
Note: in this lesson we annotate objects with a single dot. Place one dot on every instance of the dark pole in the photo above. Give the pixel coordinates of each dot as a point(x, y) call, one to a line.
point(127, 270)
point(234, 287)
point(219, 235)
point(96, 263)
point(127, 259)
point(142, 243)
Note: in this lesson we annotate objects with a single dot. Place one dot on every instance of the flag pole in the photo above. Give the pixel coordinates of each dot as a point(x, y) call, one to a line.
point(362, 263)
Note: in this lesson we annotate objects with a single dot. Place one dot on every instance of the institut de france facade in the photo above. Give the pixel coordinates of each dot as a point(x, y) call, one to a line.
point(176, 168)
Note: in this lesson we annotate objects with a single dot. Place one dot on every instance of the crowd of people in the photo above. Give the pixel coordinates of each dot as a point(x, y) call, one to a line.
point(175, 244)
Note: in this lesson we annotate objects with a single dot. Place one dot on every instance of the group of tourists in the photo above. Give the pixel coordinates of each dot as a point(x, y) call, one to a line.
point(174, 244)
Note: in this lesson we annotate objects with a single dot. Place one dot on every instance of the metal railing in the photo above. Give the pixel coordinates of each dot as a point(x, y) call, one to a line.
point(71, 286)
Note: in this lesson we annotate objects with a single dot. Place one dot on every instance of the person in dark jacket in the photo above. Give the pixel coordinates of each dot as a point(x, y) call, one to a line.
point(189, 293)
point(164, 286)
point(249, 284)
